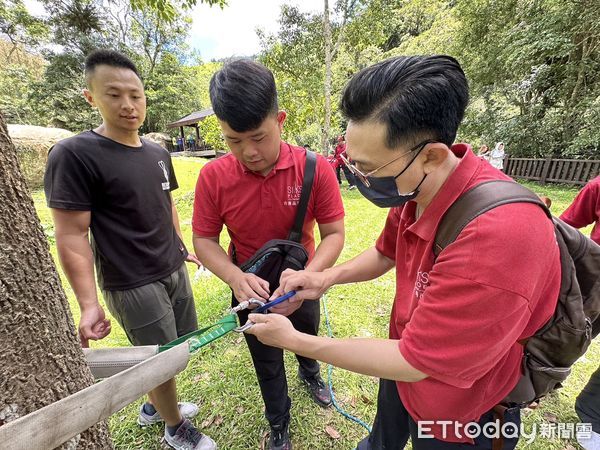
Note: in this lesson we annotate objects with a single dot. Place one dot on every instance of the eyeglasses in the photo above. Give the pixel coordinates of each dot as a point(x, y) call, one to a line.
point(364, 177)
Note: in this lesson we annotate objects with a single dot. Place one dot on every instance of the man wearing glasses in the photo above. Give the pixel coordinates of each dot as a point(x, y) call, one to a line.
point(453, 352)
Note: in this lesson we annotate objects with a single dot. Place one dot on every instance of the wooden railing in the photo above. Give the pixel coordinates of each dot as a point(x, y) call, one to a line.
point(567, 171)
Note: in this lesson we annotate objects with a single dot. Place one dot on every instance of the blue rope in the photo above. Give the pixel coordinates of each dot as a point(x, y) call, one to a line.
point(329, 371)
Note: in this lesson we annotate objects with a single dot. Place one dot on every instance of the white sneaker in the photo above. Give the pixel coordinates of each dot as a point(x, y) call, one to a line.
point(187, 437)
point(186, 409)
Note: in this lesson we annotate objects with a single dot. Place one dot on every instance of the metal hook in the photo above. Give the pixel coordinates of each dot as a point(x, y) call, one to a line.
point(244, 305)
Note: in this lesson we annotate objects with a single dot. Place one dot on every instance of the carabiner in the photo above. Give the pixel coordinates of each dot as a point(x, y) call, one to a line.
point(244, 305)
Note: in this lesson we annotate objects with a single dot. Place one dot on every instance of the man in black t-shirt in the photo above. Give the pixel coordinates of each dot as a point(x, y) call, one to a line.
point(118, 186)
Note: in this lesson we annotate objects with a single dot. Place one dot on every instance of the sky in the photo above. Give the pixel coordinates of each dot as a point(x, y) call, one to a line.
point(217, 33)
point(220, 33)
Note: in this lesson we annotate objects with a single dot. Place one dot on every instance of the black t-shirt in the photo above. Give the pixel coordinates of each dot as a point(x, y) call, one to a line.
point(127, 189)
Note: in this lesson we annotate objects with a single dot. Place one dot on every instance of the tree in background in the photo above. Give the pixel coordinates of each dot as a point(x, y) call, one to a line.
point(533, 67)
point(155, 41)
point(44, 361)
point(345, 8)
point(534, 70)
point(296, 55)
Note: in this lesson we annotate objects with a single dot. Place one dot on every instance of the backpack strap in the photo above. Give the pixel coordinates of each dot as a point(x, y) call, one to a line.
point(309, 176)
point(477, 201)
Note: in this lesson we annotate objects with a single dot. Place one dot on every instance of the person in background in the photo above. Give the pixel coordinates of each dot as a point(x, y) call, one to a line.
point(584, 211)
point(340, 154)
point(332, 160)
point(191, 142)
point(484, 151)
point(496, 156)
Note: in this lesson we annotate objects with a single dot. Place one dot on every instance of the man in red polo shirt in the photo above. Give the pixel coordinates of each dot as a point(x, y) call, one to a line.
point(254, 191)
point(585, 209)
point(340, 153)
point(453, 351)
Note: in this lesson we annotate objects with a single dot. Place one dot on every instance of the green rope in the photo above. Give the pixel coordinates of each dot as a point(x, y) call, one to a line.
point(206, 335)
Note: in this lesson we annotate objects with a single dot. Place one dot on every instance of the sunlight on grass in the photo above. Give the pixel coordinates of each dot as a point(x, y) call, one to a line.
point(221, 377)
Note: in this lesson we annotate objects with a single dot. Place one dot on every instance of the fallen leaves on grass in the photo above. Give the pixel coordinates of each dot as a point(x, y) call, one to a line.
point(208, 422)
point(264, 440)
point(332, 432)
point(366, 400)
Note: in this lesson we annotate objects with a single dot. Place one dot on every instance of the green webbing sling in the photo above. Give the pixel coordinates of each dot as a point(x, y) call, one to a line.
point(206, 335)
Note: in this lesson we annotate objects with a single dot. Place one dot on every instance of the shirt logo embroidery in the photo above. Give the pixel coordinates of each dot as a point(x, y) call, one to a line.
point(165, 186)
point(293, 195)
point(421, 284)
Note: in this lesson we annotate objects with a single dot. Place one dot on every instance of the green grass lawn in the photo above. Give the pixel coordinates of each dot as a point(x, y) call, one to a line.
point(221, 379)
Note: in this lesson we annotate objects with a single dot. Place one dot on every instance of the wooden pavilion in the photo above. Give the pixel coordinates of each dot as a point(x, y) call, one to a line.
point(193, 120)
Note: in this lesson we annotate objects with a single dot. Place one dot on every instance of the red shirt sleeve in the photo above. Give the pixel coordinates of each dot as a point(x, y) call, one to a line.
point(386, 243)
point(483, 298)
point(206, 219)
point(328, 205)
point(584, 209)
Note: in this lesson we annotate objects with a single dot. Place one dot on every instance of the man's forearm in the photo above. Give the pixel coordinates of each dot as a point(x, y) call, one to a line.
point(77, 261)
point(375, 357)
point(215, 259)
point(368, 265)
point(327, 252)
point(176, 221)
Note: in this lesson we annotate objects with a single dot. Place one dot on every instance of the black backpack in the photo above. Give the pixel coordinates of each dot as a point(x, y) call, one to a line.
point(552, 350)
point(278, 255)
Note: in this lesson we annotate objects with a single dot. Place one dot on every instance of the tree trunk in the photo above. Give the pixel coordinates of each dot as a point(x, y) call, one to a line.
point(328, 49)
point(40, 355)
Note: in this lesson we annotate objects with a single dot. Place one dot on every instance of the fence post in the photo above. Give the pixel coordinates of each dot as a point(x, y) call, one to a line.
point(546, 170)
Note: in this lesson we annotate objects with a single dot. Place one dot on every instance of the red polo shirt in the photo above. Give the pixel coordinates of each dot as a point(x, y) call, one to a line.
point(585, 209)
point(459, 320)
point(257, 208)
point(339, 150)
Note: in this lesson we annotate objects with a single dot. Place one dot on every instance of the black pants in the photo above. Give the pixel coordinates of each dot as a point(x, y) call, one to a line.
point(587, 404)
point(349, 176)
point(393, 426)
point(268, 361)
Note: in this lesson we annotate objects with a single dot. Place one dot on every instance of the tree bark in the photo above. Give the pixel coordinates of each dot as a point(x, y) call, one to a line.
point(40, 355)
point(327, 86)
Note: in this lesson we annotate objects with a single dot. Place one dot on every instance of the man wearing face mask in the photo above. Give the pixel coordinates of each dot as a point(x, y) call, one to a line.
point(453, 352)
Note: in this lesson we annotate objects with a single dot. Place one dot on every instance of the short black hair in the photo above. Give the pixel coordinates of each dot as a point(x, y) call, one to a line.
point(415, 97)
point(243, 94)
point(108, 58)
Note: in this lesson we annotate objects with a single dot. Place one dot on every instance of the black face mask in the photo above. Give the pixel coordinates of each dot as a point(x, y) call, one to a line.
point(383, 191)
